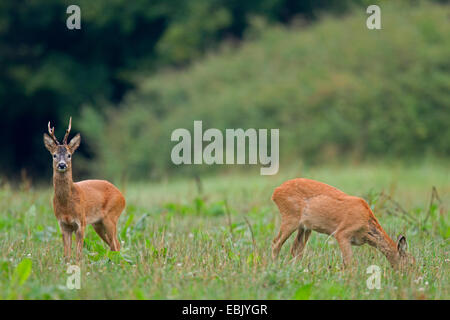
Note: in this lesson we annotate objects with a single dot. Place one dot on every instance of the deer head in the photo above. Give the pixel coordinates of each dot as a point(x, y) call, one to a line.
point(61, 153)
point(405, 258)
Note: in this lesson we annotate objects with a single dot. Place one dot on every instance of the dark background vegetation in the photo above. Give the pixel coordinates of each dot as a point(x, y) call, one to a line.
point(139, 69)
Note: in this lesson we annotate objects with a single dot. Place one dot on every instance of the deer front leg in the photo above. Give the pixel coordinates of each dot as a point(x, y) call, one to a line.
point(79, 236)
point(346, 248)
point(67, 240)
point(286, 229)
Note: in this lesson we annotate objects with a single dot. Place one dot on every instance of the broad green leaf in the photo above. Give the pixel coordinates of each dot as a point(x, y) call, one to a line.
point(22, 272)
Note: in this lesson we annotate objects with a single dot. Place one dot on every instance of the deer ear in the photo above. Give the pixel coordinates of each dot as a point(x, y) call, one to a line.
point(74, 143)
point(402, 245)
point(49, 143)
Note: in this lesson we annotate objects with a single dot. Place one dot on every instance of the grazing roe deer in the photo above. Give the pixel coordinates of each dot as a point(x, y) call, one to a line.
point(95, 202)
point(307, 205)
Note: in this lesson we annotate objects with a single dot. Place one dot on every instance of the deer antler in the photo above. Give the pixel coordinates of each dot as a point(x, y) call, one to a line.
point(51, 131)
point(68, 131)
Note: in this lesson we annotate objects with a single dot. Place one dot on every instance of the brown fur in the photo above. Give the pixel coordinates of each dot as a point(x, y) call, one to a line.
point(307, 205)
point(75, 205)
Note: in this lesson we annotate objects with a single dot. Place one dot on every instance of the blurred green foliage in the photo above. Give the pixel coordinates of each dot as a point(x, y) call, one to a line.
point(335, 89)
point(48, 72)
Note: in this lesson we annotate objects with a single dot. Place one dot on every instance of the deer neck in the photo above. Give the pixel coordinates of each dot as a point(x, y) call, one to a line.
point(63, 185)
point(379, 239)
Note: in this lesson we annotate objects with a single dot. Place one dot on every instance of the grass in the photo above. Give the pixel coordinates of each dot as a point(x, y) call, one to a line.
point(179, 245)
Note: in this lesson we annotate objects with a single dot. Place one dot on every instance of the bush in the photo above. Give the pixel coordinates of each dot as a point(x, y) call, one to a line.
point(335, 90)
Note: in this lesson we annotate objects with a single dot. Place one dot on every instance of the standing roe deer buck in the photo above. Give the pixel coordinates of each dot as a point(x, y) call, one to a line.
point(95, 202)
point(307, 205)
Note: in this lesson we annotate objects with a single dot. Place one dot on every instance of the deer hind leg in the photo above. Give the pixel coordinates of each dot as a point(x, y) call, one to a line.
point(286, 229)
point(300, 242)
point(101, 231)
point(111, 216)
point(111, 234)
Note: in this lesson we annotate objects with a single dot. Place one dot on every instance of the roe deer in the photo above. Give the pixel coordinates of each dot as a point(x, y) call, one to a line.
point(307, 205)
point(95, 202)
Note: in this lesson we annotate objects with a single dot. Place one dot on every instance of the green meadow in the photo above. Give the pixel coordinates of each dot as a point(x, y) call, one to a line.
point(182, 239)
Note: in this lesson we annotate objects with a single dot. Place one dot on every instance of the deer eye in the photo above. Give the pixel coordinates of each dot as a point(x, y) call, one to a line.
point(69, 156)
point(54, 156)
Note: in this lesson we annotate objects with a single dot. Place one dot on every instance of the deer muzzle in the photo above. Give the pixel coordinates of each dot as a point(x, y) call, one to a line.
point(62, 166)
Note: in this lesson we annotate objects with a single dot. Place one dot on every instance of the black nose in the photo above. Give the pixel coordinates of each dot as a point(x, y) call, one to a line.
point(62, 165)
